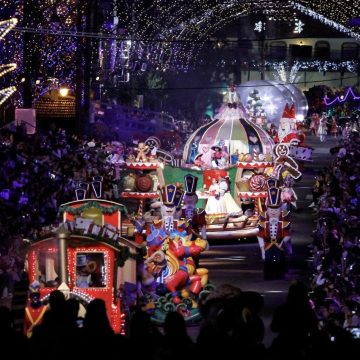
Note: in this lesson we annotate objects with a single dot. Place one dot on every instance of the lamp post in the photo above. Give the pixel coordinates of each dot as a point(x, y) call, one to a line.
point(62, 236)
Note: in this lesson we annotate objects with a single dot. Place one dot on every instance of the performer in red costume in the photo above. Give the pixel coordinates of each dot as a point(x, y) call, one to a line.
point(287, 132)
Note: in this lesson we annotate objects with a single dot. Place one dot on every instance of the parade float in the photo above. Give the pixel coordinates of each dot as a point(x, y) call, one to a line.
point(155, 268)
point(142, 176)
point(232, 154)
point(274, 96)
point(84, 256)
point(278, 101)
point(170, 278)
point(289, 134)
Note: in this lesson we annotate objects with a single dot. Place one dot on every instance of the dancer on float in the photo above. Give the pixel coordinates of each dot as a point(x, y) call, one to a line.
point(215, 203)
point(230, 204)
point(232, 107)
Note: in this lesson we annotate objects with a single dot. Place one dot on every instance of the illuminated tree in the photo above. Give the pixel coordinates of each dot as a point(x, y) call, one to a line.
point(254, 104)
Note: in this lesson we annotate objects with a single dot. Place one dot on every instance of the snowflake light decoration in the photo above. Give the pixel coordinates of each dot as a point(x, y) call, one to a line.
point(259, 26)
point(299, 26)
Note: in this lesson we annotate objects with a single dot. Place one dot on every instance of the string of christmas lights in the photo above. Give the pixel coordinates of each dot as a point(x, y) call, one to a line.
point(133, 37)
point(192, 24)
point(283, 75)
point(11, 52)
point(321, 66)
point(6, 93)
point(5, 27)
point(341, 98)
point(330, 10)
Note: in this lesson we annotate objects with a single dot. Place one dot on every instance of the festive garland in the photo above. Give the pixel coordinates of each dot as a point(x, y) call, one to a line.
point(92, 204)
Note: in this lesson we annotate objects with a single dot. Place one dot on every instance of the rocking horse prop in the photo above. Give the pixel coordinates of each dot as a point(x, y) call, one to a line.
point(174, 244)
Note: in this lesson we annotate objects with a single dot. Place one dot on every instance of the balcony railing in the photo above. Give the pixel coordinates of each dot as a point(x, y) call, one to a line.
point(287, 53)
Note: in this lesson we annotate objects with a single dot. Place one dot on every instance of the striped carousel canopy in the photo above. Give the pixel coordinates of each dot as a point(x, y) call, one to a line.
point(234, 135)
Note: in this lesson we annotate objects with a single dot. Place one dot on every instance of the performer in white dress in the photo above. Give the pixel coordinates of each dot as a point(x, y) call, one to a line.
point(322, 130)
point(230, 204)
point(216, 202)
point(232, 108)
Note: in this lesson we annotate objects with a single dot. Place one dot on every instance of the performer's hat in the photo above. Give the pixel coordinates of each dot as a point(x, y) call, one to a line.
point(190, 183)
point(81, 260)
point(216, 147)
point(289, 112)
point(179, 195)
point(198, 156)
point(292, 112)
point(271, 182)
point(34, 287)
point(274, 199)
point(170, 195)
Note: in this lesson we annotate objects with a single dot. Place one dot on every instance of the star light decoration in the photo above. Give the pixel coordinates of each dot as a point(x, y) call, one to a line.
point(5, 27)
point(11, 50)
point(53, 43)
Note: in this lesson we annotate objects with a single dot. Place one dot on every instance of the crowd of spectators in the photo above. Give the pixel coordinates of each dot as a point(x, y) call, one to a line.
point(121, 122)
point(336, 246)
point(231, 327)
point(40, 172)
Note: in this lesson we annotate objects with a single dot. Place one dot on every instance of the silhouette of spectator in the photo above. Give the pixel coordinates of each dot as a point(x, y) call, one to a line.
point(248, 329)
point(97, 338)
point(53, 325)
point(152, 343)
point(96, 321)
point(12, 341)
point(219, 312)
point(176, 337)
point(296, 324)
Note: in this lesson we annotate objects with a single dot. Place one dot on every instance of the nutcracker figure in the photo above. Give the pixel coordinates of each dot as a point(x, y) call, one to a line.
point(35, 311)
point(196, 217)
point(274, 233)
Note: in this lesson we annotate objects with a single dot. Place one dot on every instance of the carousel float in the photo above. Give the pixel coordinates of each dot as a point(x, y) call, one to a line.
point(231, 141)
